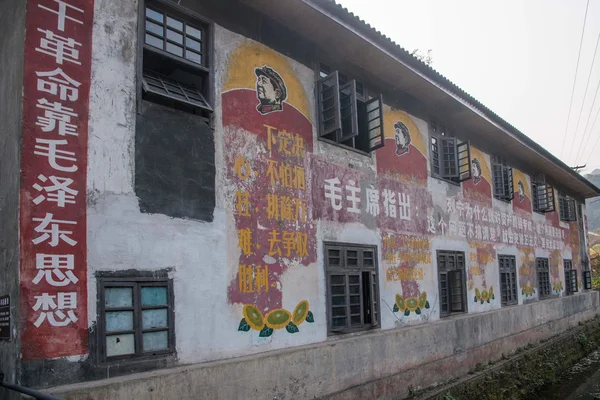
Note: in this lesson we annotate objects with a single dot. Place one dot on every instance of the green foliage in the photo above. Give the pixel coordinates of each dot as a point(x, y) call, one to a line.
point(310, 318)
point(244, 327)
point(291, 328)
point(593, 205)
point(266, 332)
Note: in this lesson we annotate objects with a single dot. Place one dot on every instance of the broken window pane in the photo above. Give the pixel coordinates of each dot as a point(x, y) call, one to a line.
point(118, 345)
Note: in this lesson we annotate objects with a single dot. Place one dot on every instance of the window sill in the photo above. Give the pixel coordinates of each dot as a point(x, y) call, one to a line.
point(454, 314)
point(332, 335)
point(445, 180)
point(343, 146)
point(133, 361)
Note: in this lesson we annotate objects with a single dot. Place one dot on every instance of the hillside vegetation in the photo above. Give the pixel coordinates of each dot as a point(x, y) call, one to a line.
point(593, 205)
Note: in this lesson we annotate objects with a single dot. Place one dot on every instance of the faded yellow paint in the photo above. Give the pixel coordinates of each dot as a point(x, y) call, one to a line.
point(485, 168)
point(250, 55)
point(390, 116)
point(520, 176)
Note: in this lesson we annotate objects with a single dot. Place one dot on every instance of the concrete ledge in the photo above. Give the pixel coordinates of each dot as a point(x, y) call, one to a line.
point(374, 365)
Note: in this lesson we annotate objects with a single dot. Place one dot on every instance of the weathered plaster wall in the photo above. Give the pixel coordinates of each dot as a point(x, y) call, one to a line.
point(377, 365)
point(12, 36)
point(263, 251)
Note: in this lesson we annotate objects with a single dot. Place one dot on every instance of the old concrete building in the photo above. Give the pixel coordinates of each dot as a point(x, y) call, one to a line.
point(259, 199)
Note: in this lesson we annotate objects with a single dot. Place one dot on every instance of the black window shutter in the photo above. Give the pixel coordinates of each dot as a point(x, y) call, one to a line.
point(444, 293)
point(542, 197)
point(348, 111)
point(328, 97)
point(498, 177)
point(435, 154)
point(374, 108)
point(571, 210)
point(550, 198)
point(509, 189)
point(463, 151)
point(456, 290)
point(338, 301)
point(562, 208)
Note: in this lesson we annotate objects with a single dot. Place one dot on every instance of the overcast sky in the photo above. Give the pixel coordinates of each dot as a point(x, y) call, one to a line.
point(517, 57)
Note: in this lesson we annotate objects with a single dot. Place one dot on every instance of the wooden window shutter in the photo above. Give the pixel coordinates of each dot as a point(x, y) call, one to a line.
point(374, 108)
point(463, 152)
point(348, 111)
point(328, 97)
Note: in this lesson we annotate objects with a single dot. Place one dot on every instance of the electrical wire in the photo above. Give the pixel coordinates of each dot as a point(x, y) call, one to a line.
point(583, 103)
point(593, 148)
point(575, 79)
point(583, 146)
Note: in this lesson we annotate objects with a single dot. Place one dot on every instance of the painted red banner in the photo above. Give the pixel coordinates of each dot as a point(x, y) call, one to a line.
point(56, 91)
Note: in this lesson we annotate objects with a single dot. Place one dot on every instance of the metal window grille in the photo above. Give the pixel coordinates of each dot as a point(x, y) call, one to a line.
point(543, 274)
point(508, 280)
point(451, 277)
point(352, 287)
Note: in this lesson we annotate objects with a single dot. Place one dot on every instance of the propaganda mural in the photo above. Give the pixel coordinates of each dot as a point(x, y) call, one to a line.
point(278, 189)
point(404, 156)
point(53, 239)
point(268, 138)
point(522, 186)
point(526, 271)
point(479, 187)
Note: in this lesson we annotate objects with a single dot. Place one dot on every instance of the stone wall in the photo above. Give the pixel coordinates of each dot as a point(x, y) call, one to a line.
point(374, 365)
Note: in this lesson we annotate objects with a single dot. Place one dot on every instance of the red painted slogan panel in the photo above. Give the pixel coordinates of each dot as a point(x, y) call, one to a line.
point(56, 89)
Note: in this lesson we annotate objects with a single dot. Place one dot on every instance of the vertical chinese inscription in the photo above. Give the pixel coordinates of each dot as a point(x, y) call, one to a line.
point(56, 88)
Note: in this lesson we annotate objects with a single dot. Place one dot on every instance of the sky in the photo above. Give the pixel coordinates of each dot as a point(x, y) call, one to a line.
point(516, 57)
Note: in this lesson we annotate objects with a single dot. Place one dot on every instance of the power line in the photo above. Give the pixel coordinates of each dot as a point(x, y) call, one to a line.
point(575, 79)
point(583, 103)
point(593, 148)
point(581, 149)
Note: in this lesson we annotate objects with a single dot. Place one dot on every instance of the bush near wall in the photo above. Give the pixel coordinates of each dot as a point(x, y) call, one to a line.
point(530, 372)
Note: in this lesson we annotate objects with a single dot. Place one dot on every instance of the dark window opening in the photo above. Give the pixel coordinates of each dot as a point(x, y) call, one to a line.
point(542, 193)
point(508, 280)
point(175, 63)
point(566, 208)
point(543, 274)
point(348, 116)
point(352, 287)
point(450, 159)
point(136, 318)
point(571, 284)
point(503, 179)
point(586, 275)
point(451, 276)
